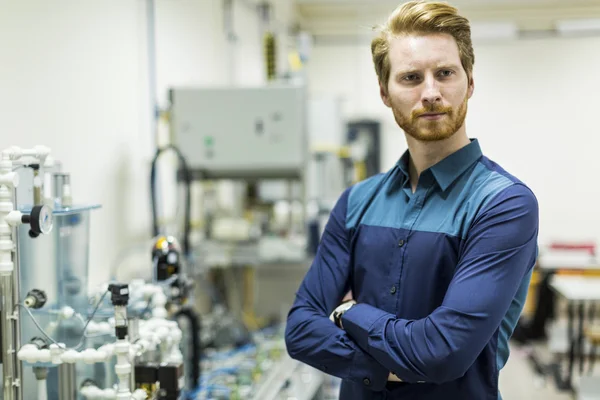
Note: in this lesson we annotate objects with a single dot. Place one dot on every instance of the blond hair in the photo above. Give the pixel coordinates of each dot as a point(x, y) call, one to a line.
point(422, 17)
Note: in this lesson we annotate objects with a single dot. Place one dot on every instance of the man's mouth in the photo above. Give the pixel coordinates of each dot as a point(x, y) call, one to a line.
point(432, 116)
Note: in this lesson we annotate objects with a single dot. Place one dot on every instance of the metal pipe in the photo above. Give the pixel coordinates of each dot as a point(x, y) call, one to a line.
point(8, 349)
point(16, 325)
point(152, 91)
point(290, 198)
point(16, 300)
point(134, 334)
point(67, 389)
point(8, 180)
point(231, 37)
point(37, 188)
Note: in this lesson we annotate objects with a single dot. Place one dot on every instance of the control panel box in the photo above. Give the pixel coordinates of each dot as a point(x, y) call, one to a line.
point(231, 132)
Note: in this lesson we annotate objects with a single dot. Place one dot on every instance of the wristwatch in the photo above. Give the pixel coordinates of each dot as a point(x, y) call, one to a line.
point(336, 315)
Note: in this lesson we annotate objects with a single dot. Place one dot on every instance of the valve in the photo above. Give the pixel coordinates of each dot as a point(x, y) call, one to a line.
point(35, 299)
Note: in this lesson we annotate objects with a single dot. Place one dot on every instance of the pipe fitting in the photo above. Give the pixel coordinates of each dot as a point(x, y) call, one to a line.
point(56, 351)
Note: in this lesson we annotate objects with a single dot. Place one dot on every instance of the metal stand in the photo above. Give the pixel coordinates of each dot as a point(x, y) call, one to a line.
point(67, 388)
point(8, 351)
point(9, 262)
point(16, 299)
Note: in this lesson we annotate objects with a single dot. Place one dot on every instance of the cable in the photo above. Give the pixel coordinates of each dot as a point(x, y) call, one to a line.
point(90, 319)
point(83, 336)
point(187, 180)
point(195, 327)
point(36, 323)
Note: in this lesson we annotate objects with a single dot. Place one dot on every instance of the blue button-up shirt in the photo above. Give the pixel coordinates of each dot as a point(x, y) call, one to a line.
point(440, 276)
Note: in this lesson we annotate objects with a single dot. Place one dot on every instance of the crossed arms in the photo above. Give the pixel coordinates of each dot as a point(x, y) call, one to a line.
point(499, 251)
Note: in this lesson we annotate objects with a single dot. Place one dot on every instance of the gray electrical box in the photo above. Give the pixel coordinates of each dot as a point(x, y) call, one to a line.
point(241, 132)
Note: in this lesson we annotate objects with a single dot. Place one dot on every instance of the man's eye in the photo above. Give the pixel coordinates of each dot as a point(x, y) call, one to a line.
point(445, 73)
point(411, 77)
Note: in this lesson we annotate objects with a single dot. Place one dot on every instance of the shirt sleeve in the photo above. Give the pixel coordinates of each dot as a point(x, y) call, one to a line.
point(499, 252)
point(310, 335)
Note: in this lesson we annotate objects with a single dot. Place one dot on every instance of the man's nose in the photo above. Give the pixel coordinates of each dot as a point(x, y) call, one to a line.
point(431, 92)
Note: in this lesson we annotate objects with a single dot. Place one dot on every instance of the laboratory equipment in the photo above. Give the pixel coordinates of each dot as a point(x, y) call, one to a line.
point(60, 341)
point(57, 265)
point(167, 262)
point(40, 221)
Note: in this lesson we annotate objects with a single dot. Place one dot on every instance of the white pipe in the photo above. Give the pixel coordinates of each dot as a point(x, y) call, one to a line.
point(123, 369)
point(175, 356)
point(59, 354)
point(9, 180)
point(91, 392)
point(42, 389)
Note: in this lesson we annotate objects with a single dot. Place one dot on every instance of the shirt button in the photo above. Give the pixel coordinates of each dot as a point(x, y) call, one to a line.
point(401, 243)
point(393, 290)
point(367, 382)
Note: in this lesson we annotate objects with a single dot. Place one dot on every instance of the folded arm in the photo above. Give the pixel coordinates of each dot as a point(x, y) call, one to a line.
point(500, 250)
point(310, 336)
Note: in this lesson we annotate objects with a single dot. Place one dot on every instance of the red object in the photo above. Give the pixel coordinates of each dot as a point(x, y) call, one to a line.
point(583, 246)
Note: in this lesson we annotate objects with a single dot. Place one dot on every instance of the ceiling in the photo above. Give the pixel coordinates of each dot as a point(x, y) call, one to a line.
point(355, 17)
point(454, 2)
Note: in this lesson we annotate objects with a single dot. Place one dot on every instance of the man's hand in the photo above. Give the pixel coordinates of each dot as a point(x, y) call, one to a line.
point(393, 378)
point(348, 296)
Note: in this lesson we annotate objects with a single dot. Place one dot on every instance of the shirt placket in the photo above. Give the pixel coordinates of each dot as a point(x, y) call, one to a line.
point(411, 216)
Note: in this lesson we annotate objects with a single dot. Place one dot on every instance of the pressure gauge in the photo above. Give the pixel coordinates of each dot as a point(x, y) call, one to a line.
point(40, 220)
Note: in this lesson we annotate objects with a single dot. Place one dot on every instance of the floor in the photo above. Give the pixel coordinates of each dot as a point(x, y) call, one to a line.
point(519, 382)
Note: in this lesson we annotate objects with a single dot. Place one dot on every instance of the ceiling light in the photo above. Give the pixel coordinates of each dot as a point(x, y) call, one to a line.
point(578, 26)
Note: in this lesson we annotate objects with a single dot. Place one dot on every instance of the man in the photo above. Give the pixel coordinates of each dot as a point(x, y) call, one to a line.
point(437, 252)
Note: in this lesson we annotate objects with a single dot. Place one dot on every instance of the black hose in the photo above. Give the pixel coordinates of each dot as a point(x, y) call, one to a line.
point(187, 180)
point(195, 327)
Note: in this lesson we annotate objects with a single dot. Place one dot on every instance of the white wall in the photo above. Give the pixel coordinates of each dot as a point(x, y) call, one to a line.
point(534, 111)
point(74, 76)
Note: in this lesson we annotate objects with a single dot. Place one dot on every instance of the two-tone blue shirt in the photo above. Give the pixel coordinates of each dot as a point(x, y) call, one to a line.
point(440, 276)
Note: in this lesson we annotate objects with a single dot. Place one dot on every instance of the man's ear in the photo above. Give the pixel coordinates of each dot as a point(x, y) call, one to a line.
point(471, 87)
point(383, 92)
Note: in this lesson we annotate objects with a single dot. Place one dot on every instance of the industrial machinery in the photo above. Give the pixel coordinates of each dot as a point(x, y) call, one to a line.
point(263, 150)
point(60, 341)
point(251, 180)
point(363, 142)
point(261, 155)
point(167, 261)
point(266, 139)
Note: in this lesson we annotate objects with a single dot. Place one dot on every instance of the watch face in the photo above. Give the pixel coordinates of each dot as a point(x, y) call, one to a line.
point(45, 220)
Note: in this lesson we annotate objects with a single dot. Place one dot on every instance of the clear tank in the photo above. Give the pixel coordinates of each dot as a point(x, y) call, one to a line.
point(57, 264)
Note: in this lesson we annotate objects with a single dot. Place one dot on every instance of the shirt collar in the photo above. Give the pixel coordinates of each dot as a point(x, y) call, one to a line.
point(450, 168)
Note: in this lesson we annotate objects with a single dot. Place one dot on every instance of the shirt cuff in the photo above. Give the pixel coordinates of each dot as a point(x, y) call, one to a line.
point(373, 375)
point(359, 320)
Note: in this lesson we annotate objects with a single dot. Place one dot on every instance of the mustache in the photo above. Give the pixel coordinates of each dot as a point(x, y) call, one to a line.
point(435, 109)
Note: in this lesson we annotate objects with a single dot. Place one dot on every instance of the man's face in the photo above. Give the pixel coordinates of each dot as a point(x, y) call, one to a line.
point(428, 88)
